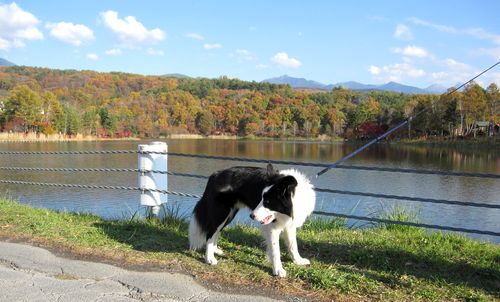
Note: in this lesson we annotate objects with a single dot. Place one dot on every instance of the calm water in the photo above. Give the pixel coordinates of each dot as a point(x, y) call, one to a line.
point(121, 204)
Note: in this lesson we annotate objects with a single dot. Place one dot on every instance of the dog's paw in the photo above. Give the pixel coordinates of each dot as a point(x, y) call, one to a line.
point(211, 261)
point(280, 272)
point(301, 261)
point(218, 251)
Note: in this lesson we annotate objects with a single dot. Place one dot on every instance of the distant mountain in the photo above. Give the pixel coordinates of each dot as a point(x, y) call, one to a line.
point(391, 86)
point(396, 87)
point(296, 82)
point(176, 75)
point(353, 86)
point(4, 62)
point(436, 88)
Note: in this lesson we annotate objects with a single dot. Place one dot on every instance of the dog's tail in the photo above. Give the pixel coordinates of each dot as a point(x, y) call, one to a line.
point(197, 237)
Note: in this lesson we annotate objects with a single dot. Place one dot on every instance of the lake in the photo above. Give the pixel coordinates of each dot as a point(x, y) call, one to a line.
point(123, 204)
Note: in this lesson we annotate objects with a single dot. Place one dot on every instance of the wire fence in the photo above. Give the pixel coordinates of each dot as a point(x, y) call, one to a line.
point(264, 161)
point(333, 191)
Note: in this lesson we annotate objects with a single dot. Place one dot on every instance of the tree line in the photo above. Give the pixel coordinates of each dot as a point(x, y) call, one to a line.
point(118, 104)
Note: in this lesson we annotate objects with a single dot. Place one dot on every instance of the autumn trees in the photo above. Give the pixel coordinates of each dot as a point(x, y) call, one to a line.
point(493, 102)
point(110, 104)
point(25, 106)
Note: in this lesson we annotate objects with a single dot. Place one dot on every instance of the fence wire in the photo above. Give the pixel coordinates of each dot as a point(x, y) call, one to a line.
point(97, 187)
point(182, 194)
point(88, 152)
point(105, 170)
point(323, 190)
point(253, 160)
point(408, 223)
point(262, 161)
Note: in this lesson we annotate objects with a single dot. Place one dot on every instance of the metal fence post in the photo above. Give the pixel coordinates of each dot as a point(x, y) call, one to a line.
point(149, 180)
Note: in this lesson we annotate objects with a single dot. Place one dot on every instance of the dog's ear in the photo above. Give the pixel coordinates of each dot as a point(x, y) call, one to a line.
point(288, 184)
point(270, 169)
point(287, 187)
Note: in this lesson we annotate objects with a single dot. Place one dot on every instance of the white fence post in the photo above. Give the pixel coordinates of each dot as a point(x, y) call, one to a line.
point(149, 180)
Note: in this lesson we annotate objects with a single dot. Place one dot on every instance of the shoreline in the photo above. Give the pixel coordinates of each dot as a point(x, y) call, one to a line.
point(34, 138)
point(456, 142)
point(42, 138)
point(321, 138)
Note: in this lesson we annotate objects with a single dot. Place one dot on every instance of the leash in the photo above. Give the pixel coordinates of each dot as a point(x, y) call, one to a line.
point(398, 126)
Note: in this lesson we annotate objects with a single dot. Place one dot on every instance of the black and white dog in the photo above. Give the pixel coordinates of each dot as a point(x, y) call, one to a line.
point(279, 200)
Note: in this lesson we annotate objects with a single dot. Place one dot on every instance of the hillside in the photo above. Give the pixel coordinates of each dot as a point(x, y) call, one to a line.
point(121, 104)
point(176, 75)
point(4, 62)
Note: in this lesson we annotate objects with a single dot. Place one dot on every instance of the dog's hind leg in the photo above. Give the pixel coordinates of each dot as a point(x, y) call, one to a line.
point(212, 238)
point(291, 239)
point(212, 248)
point(209, 252)
point(217, 250)
point(230, 218)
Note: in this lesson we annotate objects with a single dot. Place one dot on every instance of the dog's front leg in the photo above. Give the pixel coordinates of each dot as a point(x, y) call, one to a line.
point(273, 248)
point(291, 239)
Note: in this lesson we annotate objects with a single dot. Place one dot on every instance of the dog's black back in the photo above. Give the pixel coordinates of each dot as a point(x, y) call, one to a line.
point(225, 189)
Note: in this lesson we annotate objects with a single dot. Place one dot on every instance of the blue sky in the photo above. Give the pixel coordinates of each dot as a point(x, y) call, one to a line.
point(412, 42)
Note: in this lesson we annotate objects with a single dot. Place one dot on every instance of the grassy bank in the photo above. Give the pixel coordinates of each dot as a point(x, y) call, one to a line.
point(424, 142)
point(457, 142)
point(381, 263)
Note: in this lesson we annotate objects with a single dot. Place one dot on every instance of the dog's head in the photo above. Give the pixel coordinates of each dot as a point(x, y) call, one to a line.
point(276, 200)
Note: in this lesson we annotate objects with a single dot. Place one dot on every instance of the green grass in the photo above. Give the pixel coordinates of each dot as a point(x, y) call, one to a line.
point(378, 263)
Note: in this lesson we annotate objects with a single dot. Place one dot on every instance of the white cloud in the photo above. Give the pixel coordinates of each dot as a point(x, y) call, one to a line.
point(243, 55)
point(130, 30)
point(374, 70)
point(4, 44)
point(439, 27)
point(92, 56)
point(402, 32)
point(113, 52)
point(452, 72)
point(396, 72)
point(195, 36)
point(212, 46)
point(412, 51)
point(17, 26)
point(493, 77)
point(68, 32)
point(282, 60)
point(402, 70)
point(477, 32)
point(447, 78)
point(377, 18)
point(252, 28)
point(439, 76)
point(492, 52)
point(155, 52)
point(482, 34)
point(456, 65)
point(261, 66)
